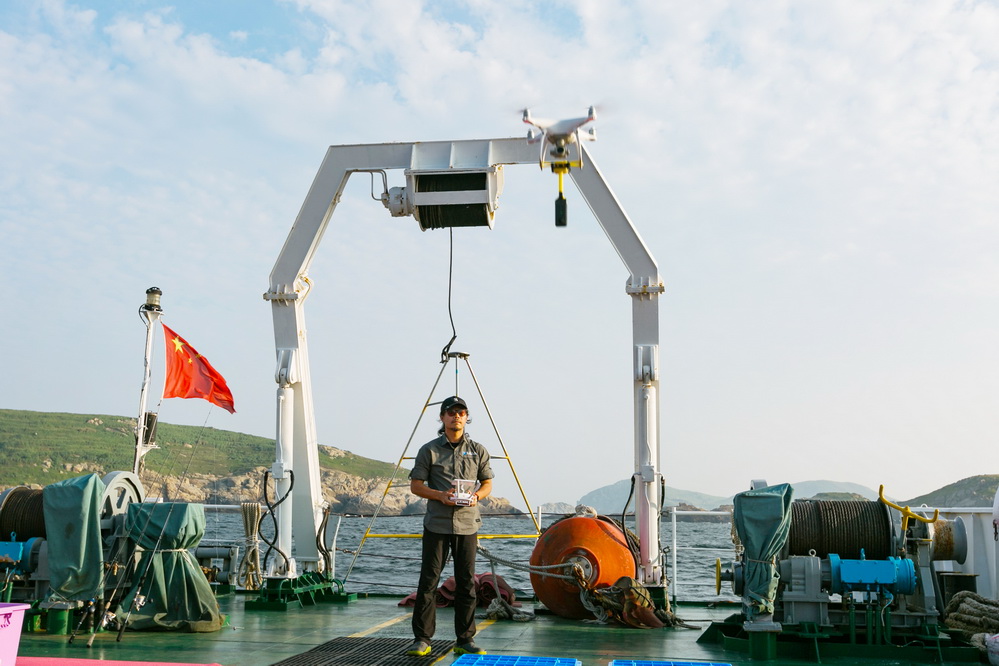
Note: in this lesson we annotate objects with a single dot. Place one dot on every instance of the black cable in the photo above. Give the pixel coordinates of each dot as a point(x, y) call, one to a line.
point(321, 541)
point(662, 495)
point(270, 512)
point(631, 493)
point(662, 504)
point(450, 270)
point(629, 538)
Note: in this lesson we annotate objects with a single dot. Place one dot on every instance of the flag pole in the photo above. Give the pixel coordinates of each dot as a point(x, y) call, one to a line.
point(145, 428)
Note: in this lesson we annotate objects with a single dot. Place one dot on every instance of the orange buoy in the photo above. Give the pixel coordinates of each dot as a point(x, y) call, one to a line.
point(596, 544)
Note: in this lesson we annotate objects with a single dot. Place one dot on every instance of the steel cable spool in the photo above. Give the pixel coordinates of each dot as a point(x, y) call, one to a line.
point(22, 515)
point(842, 528)
point(452, 215)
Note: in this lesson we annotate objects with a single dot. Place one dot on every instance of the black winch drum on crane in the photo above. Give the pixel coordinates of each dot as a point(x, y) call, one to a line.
point(841, 528)
point(452, 215)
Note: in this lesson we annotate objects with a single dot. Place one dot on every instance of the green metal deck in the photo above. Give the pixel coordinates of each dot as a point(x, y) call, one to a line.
point(262, 638)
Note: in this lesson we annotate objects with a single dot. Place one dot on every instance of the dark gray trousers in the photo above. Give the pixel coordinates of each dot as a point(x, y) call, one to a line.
point(436, 548)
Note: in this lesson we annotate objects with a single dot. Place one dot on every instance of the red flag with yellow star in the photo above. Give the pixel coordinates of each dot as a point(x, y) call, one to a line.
point(190, 375)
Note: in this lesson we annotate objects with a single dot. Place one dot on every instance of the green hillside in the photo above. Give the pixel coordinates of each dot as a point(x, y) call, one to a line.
point(837, 497)
point(45, 447)
point(974, 491)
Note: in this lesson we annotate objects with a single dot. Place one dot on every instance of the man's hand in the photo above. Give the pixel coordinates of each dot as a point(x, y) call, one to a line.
point(446, 497)
point(421, 489)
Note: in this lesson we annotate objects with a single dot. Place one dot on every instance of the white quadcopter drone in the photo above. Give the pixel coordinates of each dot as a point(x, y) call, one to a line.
point(560, 134)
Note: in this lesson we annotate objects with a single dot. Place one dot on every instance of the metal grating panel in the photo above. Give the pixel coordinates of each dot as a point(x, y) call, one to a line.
point(348, 651)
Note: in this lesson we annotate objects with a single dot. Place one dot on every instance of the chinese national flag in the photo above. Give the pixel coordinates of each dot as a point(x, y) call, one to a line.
point(190, 375)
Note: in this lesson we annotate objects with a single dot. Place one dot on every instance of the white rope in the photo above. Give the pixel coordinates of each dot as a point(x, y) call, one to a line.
point(589, 603)
point(249, 574)
point(499, 608)
point(542, 570)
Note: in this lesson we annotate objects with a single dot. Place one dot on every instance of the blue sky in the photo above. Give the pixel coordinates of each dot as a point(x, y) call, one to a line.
point(816, 182)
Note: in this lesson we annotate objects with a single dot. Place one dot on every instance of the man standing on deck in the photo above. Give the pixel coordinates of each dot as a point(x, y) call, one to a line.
point(451, 525)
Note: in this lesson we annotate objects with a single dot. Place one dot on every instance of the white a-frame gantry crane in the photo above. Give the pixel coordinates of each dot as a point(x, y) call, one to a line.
point(448, 184)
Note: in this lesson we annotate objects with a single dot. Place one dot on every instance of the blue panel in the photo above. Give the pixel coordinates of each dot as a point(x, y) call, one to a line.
point(632, 662)
point(895, 574)
point(11, 552)
point(509, 660)
point(867, 572)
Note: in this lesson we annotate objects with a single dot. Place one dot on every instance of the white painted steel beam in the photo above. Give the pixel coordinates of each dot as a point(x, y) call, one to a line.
point(288, 289)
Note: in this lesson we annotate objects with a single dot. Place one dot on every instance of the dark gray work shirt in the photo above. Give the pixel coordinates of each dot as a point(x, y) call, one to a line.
point(437, 463)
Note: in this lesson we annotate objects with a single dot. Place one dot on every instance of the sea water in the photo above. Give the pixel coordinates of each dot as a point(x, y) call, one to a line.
point(391, 565)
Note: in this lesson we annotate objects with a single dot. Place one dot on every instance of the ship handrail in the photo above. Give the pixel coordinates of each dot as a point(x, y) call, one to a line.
point(675, 547)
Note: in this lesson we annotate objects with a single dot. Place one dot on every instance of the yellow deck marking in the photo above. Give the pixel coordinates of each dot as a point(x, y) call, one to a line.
point(396, 620)
point(386, 623)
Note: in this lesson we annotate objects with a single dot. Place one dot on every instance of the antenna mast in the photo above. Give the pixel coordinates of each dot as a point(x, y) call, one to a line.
point(145, 427)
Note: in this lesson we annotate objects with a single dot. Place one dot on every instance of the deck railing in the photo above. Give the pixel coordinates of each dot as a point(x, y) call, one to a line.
point(675, 547)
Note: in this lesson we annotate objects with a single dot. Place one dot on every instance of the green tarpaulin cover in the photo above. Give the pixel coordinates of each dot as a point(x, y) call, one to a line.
point(176, 593)
point(762, 520)
point(72, 510)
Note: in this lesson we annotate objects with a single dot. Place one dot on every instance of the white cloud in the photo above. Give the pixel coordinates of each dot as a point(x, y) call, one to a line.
point(816, 182)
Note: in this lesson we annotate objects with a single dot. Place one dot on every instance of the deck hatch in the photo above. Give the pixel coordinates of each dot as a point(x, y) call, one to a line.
point(365, 651)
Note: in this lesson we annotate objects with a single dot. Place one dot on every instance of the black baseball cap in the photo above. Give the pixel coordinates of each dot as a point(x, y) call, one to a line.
point(453, 401)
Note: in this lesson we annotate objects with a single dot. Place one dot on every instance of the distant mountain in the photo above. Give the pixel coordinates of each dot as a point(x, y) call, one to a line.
point(193, 464)
point(45, 447)
point(558, 507)
point(837, 497)
point(610, 499)
point(974, 491)
point(808, 489)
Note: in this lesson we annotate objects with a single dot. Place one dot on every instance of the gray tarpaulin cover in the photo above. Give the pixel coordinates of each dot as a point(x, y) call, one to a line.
point(762, 520)
point(177, 594)
point(72, 510)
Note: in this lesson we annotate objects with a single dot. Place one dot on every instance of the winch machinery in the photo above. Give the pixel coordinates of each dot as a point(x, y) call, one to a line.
point(856, 569)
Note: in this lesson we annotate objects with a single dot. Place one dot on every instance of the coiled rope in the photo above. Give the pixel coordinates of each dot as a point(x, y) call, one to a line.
point(499, 608)
point(249, 575)
point(973, 614)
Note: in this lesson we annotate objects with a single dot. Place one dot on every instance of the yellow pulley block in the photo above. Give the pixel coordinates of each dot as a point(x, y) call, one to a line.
point(717, 576)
